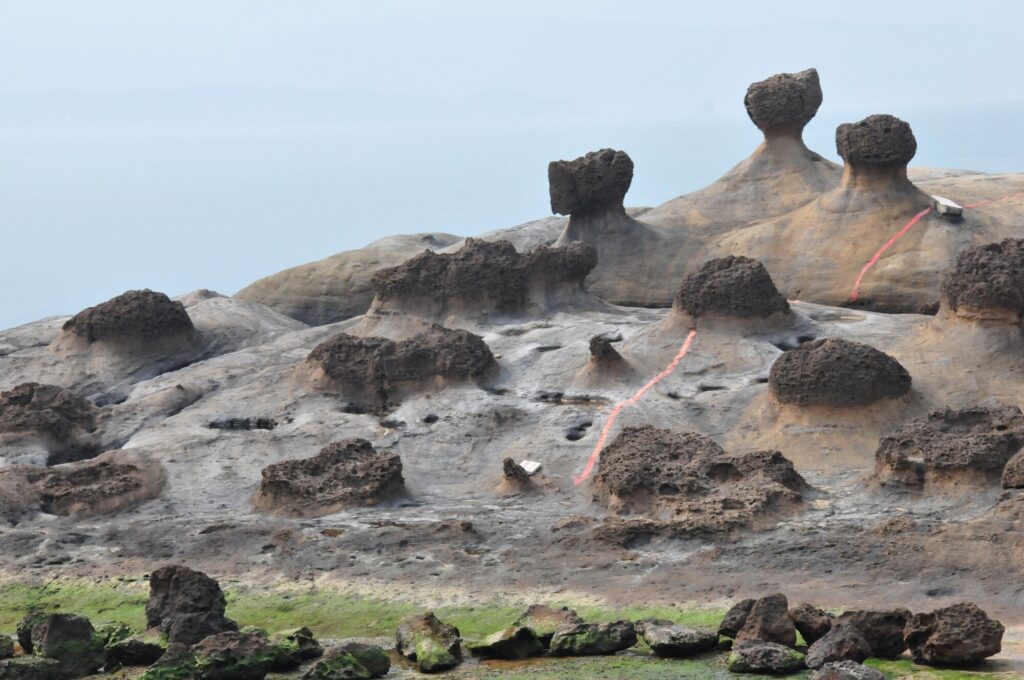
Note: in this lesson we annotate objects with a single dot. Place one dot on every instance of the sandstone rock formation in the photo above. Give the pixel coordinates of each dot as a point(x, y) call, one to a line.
point(485, 280)
point(46, 416)
point(687, 477)
point(838, 373)
point(733, 287)
point(343, 474)
point(986, 283)
point(959, 635)
point(187, 605)
point(340, 286)
point(969, 445)
point(876, 141)
point(769, 620)
point(375, 373)
point(784, 103)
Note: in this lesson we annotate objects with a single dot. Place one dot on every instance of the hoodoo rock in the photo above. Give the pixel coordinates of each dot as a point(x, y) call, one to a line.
point(187, 605)
point(376, 373)
point(137, 315)
point(879, 140)
point(812, 623)
point(342, 475)
point(485, 279)
point(836, 372)
point(882, 629)
point(968, 445)
point(50, 417)
point(769, 620)
point(603, 353)
point(986, 283)
point(591, 184)
point(959, 635)
point(784, 103)
point(737, 287)
point(690, 478)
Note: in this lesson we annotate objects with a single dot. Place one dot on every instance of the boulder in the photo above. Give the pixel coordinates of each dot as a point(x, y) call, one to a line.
point(758, 656)
point(188, 605)
point(811, 622)
point(958, 635)
point(847, 670)
point(883, 629)
point(6, 647)
point(133, 315)
point(177, 663)
point(1013, 473)
point(732, 286)
point(233, 656)
point(344, 474)
point(987, 283)
point(969, 445)
point(734, 619)
point(673, 640)
point(841, 643)
point(545, 621)
point(71, 641)
point(769, 621)
point(29, 668)
point(878, 140)
point(836, 372)
point(350, 660)
point(136, 650)
point(292, 648)
point(593, 639)
point(60, 421)
point(784, 103)
point(431, 643)
point(25, 626)
point(515, 642)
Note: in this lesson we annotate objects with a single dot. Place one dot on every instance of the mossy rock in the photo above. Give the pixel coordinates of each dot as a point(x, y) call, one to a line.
point(517, 642)
point(72, 641)
point(112, 633)
point(25, 628)
point(138, 650)
point(29, 668)
point(6, 647)
point(184, 671)
point(594, 639)
point(233, 656)
point(757, 656)
point(294, 647)
point(352, 661)
point(432, 657)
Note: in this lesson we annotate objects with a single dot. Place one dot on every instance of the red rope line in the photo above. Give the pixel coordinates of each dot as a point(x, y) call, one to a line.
point(888, 244)
point(994, 200)
point(580, 478)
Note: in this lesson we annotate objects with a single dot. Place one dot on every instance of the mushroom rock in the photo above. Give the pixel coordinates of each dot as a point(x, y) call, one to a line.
point(970, 445)
point(340, 286)
point(602, 352)
point(38, 419)
point(486, 279)
point(729, 288)
point(375, 373)
point(986, 284)
point(605, 363)
point(690, 478)
point(840, 231)
point(344, 474)
point(837, 373)
point(959, 635)
point(140, 320)
point(781, 175)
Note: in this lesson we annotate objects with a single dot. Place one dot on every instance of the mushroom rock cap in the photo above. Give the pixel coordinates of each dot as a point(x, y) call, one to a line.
point(836, 372)
point(987, 278)
point(133, 315)
point(785, 102)
point(878, 140)
point(46, 410)
point(591, 183)
point(485, 277)
point(602, 351)
point(732, 286)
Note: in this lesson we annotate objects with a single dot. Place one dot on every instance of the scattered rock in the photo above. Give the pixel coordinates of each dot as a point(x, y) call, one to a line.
point(730, 286)
point(758, 656)
point(292, 648)
point(69, 640)
point(987, 282)
point(841, 643)
point(433, 645)
point(177, 663)
point(351, 660)
point(516, 642)
point(137, 650)
point(592, 183)
point(883, 629)
point(545, 621)
point(343, 474)
point(377, 372)
point(6, 647)
point(134, 315)
point(188, 605)
point(879, 140)
point(29, 668)
point(836, 372)
point(60, 421)
point(593, 639)
point(673, 640)
point(812, 622)
point(769, 621)
point(514, 472)
point(958, 635)
point(232, 656)
point(1013, 473)
point(971, 444)
point(485, 278)
point(734, 619)
point(784, 103)
point(847, 670)
point(25, 626)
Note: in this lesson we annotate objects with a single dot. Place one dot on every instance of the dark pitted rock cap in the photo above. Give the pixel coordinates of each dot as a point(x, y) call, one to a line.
point(136, 314)
point(732, 286)
point(836, 372)
point(987, 277)
point(785, 102)
point(592, 183)
point(45, 409)
point(602, 350)
point(879, 140)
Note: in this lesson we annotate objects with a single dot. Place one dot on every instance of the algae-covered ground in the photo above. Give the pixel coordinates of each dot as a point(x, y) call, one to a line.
point(333, 613)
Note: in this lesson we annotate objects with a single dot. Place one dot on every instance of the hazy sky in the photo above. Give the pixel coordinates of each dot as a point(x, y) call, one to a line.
point(206, 143)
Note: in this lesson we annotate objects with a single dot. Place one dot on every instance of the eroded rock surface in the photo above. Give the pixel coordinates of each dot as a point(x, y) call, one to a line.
point(969, 445)
point(987, 282)
point(343, 474)
point(958, 635)
point(836, 372)
point(590, 184)
point(878, 140)
point(61, 422)
point(784, 103)
point(732, 287)
point(133, 315)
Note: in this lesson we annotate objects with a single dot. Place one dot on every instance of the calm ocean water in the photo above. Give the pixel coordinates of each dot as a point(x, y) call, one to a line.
point(86, 214)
